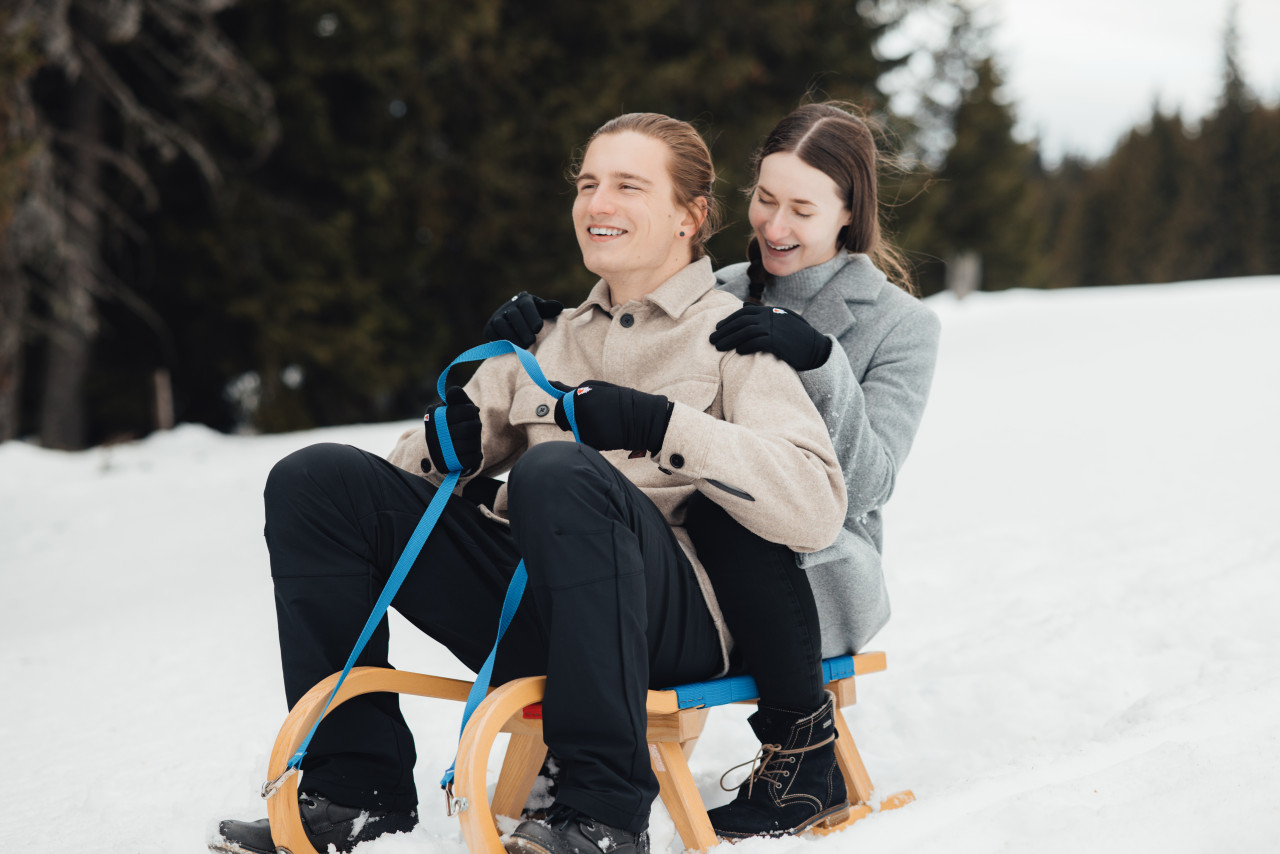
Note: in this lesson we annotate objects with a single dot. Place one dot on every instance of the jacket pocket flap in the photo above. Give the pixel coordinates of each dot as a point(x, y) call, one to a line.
point(532, 405)
point(697, 392)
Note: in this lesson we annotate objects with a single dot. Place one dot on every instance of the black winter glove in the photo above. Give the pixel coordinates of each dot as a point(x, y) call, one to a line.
point(756, 328)
point(612, 417)
point(519, 319)
point(463, 418)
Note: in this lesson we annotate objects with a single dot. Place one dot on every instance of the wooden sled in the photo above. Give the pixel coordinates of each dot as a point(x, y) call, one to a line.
point(676, 719)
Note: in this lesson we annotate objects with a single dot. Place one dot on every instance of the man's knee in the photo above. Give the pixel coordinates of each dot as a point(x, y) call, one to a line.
point(551, 471)
point(305, 471)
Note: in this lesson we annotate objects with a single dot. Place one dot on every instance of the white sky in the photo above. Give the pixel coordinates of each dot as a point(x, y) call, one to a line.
point(1081, 73)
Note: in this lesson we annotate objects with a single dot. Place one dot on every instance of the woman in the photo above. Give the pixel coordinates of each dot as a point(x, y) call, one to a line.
point(819, 299)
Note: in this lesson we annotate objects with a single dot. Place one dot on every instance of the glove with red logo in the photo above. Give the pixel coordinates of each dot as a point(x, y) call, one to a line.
point(463, 419)
point(612, 417)
point(766, 328)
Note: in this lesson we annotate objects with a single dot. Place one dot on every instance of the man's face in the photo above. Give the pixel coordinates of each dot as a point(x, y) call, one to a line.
point(625, 215)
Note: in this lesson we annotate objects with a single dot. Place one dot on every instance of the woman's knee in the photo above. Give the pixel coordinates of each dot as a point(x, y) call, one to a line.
point(724, 545)
point(708, 523)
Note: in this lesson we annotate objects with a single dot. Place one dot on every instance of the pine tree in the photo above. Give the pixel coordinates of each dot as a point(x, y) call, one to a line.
point(1143, 197)
point(978, 200)
point(113, 102)
point(1232, 226)
point(984, 199)
point(420, 178)
point(1173, 203)
point(20, 154)
point(417, 180)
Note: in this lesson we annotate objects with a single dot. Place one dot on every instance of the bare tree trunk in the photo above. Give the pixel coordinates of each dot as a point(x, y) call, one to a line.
point(13, 312)
point(73, 320)
point(164, 399)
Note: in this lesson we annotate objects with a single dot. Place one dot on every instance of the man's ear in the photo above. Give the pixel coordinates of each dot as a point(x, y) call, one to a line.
point(695, 215)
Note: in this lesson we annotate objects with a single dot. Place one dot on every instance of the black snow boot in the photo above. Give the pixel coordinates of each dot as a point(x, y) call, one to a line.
point(325, 822)
point(796, 783)
point(567, 831)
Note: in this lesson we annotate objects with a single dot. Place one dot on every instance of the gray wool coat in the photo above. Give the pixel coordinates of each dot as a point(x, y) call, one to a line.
point(871, 393)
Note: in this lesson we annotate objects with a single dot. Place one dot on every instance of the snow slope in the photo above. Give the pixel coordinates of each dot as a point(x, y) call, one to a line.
point(1084, 560)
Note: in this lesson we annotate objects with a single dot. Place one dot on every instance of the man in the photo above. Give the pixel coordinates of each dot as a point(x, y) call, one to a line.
point(616, 601)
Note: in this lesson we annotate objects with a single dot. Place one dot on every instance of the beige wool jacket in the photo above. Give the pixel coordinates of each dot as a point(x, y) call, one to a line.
point(743, 430)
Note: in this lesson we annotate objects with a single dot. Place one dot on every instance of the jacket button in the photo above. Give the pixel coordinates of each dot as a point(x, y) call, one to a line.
point(676, 460)
point(627, 321)
point(542, 410)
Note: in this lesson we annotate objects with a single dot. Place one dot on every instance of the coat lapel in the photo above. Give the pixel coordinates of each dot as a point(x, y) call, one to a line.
point(857, 283)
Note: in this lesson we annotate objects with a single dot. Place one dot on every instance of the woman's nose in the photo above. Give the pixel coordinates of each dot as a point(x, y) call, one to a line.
point(774, 228)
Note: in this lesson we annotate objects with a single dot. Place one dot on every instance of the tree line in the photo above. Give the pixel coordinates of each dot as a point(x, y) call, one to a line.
point(276, 215)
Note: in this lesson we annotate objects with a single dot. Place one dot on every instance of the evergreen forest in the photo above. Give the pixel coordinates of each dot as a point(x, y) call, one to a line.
point(267, 215)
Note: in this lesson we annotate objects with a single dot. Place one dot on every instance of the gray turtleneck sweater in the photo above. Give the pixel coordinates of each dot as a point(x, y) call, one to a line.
point(871, 392)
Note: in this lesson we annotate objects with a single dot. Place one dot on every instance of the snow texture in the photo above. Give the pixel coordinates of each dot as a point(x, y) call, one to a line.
point(1083, 556)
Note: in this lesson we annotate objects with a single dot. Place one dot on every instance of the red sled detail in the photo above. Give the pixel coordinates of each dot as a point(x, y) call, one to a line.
point(532, 712)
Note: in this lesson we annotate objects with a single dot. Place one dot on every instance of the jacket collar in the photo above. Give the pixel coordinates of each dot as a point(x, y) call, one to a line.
point(858, 282)
point(674, 296)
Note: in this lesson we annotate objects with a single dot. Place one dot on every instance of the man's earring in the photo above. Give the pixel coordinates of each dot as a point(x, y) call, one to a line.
point(682, 234)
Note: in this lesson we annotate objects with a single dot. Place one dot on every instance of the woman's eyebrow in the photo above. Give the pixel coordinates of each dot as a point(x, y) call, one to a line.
point(792, 201)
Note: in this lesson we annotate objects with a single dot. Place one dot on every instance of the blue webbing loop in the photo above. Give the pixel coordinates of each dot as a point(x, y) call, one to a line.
point(407, 557)
point(531, 367)
point(427, 523)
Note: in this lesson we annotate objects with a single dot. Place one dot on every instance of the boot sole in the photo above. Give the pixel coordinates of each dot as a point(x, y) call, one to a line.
point(226, 846)
point(827, 819)
point(520, 845)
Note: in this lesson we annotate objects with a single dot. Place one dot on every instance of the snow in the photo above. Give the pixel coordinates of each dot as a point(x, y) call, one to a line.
point(1084, 561)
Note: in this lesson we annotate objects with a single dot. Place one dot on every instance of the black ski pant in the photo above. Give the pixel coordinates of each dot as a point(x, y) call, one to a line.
point(768, 607)
point(612, 608)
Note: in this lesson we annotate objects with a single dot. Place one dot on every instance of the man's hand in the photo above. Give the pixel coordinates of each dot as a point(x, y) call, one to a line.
point(612, 417)
point(519, 319)
point(463, 420)
point(764, 328)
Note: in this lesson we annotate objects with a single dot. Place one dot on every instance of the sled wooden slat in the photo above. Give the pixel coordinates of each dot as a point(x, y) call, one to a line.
point(672, 733)
point(282, 806)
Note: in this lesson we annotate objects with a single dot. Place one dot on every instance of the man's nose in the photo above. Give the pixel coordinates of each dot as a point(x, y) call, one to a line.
point(601, 202)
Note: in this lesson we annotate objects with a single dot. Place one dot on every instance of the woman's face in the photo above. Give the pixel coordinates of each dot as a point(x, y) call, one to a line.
point(625, 215)
point(796, 213)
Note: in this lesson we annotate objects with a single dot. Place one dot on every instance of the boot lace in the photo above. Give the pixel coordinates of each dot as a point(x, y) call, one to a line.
point(771, 759)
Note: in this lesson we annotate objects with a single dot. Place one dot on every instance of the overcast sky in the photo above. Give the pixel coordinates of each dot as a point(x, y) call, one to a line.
point(1083, 72)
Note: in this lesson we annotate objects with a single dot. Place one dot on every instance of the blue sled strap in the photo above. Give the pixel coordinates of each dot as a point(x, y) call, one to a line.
point(423, 530)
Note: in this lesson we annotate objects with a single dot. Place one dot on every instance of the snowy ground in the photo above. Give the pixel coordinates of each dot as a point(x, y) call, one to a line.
point(1083, 553)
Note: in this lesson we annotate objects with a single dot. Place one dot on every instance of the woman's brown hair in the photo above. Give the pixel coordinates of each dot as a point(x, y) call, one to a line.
point(832, 138)
point(693, 174)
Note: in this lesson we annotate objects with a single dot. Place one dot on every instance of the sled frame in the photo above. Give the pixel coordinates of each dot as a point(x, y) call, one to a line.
point(672, 733)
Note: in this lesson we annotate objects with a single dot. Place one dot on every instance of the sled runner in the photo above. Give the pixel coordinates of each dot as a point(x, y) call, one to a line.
point(676, 719)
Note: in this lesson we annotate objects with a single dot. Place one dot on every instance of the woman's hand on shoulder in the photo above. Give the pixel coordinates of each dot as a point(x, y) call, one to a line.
point(520, 319)
point(768, 329)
